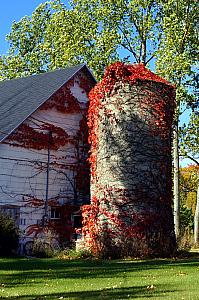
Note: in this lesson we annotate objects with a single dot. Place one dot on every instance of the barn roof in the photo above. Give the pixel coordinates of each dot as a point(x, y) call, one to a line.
point(20, 97)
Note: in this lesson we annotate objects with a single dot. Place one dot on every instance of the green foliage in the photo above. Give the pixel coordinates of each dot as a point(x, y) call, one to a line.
point(134, 24)
point(176, 60)
point(95, 32)
point(55, 37)
point(186, 218)
point(9, 236)
point(188, 186)
point(178, 50)
point(42, 249)
point(27, 54)
point(188, 197)
point(74, 37)
point(177, 55)
point(189, 138)
point(73, 254)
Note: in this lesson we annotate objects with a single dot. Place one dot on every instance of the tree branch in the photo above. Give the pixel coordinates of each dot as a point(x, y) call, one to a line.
point(152, 56)
point(193, 159)
point(129, 48)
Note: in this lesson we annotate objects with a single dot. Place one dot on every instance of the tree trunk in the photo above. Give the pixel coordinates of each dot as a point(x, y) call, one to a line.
point(176, 181)
point(143, 49)
point(196, 220)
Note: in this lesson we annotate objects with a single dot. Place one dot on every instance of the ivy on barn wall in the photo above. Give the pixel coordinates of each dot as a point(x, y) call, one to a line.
point(63, 227)
point(130, 119)
point(34, 135)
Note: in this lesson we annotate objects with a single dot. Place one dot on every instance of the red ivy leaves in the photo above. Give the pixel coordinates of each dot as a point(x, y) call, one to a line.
point(30, 138)
point(63, 101)
point(161, 109)
point(131, 74)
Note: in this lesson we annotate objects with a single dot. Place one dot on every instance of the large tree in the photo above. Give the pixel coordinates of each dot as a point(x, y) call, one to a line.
point(55, 36)
point(95, 32)
point(27, 54)
point(135, 24)
point(176, 62)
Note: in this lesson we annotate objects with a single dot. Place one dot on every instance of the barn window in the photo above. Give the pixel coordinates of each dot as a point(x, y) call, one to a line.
point(77, 221)
point(12, 211)
point(55, 213)
point(22, 221)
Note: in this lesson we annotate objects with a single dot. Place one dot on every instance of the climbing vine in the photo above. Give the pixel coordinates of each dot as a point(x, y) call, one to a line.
point(130, 118)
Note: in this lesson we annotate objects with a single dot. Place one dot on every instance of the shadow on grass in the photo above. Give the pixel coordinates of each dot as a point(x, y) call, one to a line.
point(114, 293)
point(24, 271)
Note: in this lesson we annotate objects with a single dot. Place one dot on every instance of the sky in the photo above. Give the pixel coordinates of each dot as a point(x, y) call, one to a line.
point(14, 10)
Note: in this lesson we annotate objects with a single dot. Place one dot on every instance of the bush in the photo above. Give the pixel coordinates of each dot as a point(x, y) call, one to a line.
point(42, 249)
point(186, 241)
point(46, 244)
point(73, 254)
point(186, 219)
point(9, 236)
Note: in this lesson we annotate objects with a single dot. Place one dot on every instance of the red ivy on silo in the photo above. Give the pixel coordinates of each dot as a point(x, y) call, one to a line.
point(161, 124)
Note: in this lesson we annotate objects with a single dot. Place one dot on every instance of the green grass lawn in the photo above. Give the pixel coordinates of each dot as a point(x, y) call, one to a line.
point(23, 278)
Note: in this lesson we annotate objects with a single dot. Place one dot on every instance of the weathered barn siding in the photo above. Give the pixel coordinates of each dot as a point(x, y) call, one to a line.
point(23, 171)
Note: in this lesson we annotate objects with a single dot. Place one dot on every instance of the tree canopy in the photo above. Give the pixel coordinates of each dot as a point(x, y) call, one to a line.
point(189, 138)
point(99, 32)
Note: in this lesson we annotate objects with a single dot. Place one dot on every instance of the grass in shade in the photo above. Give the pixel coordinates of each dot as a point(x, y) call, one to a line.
point(23, 278)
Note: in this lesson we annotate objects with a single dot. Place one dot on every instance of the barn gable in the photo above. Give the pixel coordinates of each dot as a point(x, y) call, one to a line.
point(37, 89)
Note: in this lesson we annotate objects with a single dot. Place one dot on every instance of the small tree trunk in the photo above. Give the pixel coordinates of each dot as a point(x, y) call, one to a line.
point(143, 49)
point(196, 220)
point(176, 181)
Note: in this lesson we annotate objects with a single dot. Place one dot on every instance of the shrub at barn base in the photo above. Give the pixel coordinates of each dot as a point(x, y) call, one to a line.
point(9, 236)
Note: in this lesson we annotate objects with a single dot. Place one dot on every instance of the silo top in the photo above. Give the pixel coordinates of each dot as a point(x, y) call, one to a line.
point(120, 72)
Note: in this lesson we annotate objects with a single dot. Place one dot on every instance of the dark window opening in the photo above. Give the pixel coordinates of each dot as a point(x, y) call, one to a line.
point(77, 221)
point(55, 213)
point(11, 211)
point(22, 221)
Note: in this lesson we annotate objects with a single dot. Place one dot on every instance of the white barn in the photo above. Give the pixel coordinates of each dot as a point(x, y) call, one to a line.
point(44, 176)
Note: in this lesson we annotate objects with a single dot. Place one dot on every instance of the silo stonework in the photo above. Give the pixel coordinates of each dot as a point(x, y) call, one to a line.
point(130, 121)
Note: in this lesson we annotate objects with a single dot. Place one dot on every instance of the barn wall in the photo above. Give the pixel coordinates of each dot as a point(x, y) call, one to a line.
point(23, 171)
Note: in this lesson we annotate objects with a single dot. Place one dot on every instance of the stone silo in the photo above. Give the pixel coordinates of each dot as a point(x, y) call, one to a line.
point(130, 121)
